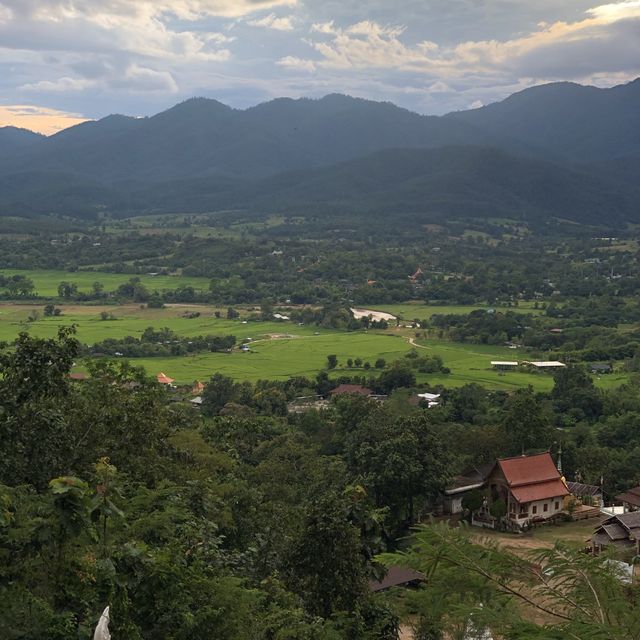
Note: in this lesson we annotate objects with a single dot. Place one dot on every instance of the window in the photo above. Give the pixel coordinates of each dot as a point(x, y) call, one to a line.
point(557, 505)
point(534, 509)
point(545, 507)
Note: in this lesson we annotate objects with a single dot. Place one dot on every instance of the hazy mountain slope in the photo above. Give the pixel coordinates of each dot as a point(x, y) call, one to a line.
point(581, 124)
point(431, 184)
point(340, 152)
point(203, 137)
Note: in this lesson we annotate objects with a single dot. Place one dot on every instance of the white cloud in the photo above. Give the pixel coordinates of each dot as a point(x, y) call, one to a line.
point(271, 21)
point(369, 45)
point(324, 27)
point(137, 78)
point(616, 11)
point(291, 62)
point(61, 85)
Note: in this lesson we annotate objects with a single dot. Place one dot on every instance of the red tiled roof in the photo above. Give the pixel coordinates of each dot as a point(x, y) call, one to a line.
point(540, 491)
point(78, 376)
point(529, 469)
point(351, 388)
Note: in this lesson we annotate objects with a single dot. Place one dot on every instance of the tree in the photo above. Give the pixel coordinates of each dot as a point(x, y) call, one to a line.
point(67, 289)
point(397, 375)
point(325, 566)
point(472, 501)
point(478, 586)
point(332, 361)
point(498, 508)
point(51, 310)
point(380, 363)
point(217, 392)
point(574, 393)
point(402, 460)
point(527, 422)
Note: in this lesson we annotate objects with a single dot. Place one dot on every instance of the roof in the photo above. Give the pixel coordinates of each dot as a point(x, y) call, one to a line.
point(351, 388)
point(428, 396)
point(615, 531)
point(162, 378)
point(600, 367)
point(532, 477)
point(528, 469)
point(631, 496)
point(630, 520)
point(470, 479)
point(396, 576)
point(78, 376)
point(540, 491)
point(196, 400)
point(504, 363)
point(579, 489)
point(547, 363)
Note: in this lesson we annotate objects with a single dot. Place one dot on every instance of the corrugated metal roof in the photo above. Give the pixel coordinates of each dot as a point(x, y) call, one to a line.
point(615, 531)
point(580, 489)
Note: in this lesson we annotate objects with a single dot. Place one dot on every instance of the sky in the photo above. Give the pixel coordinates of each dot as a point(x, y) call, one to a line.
point(64, 61)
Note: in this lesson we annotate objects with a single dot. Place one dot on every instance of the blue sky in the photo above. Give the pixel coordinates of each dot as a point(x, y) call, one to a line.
point(65, 60)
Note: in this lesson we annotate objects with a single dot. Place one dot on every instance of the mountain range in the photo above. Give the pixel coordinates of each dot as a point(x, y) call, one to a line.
point(557, 150)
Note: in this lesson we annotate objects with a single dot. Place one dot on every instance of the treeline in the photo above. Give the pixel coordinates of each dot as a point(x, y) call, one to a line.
point(302, 261)
point(159, 343)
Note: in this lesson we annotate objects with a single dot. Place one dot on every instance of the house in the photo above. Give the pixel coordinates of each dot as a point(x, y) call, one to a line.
point(162, 378)
point(198, 388)
point(546, 364)
point(504, 365)
point(600, 368)
point(621, 532)
point(531, 487)
point(353, 389)
point(196, 402)
point(630, 499)
point(462, 485)
point(589, 494)
point(430, 399)
point(397, 577)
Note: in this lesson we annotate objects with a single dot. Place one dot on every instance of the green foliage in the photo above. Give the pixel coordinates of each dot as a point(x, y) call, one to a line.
point(551, 593)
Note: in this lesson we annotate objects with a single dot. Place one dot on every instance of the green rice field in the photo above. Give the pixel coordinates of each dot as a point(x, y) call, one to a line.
point(279, 350)
point(46, 281)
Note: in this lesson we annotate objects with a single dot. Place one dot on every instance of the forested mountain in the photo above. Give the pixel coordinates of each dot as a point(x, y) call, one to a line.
point(559, 150)
point(14, 139)
point(566, 120)
point(429, 183)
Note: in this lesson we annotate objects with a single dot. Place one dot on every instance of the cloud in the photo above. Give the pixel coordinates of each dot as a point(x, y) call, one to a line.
point(271, 21)
point(291, 62)
point(110, 26)
point(57, 10)
point(40, 119)
point(62, 85)
point(137, 78)
point(594, 42)
point(324, 27)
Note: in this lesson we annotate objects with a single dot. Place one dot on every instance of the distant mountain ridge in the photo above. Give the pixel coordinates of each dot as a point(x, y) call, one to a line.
point(314, 153)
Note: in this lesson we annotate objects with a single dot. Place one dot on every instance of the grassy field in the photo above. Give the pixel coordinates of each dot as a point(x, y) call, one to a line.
point(412, 311)
point(279, 349)
point(46, 281)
